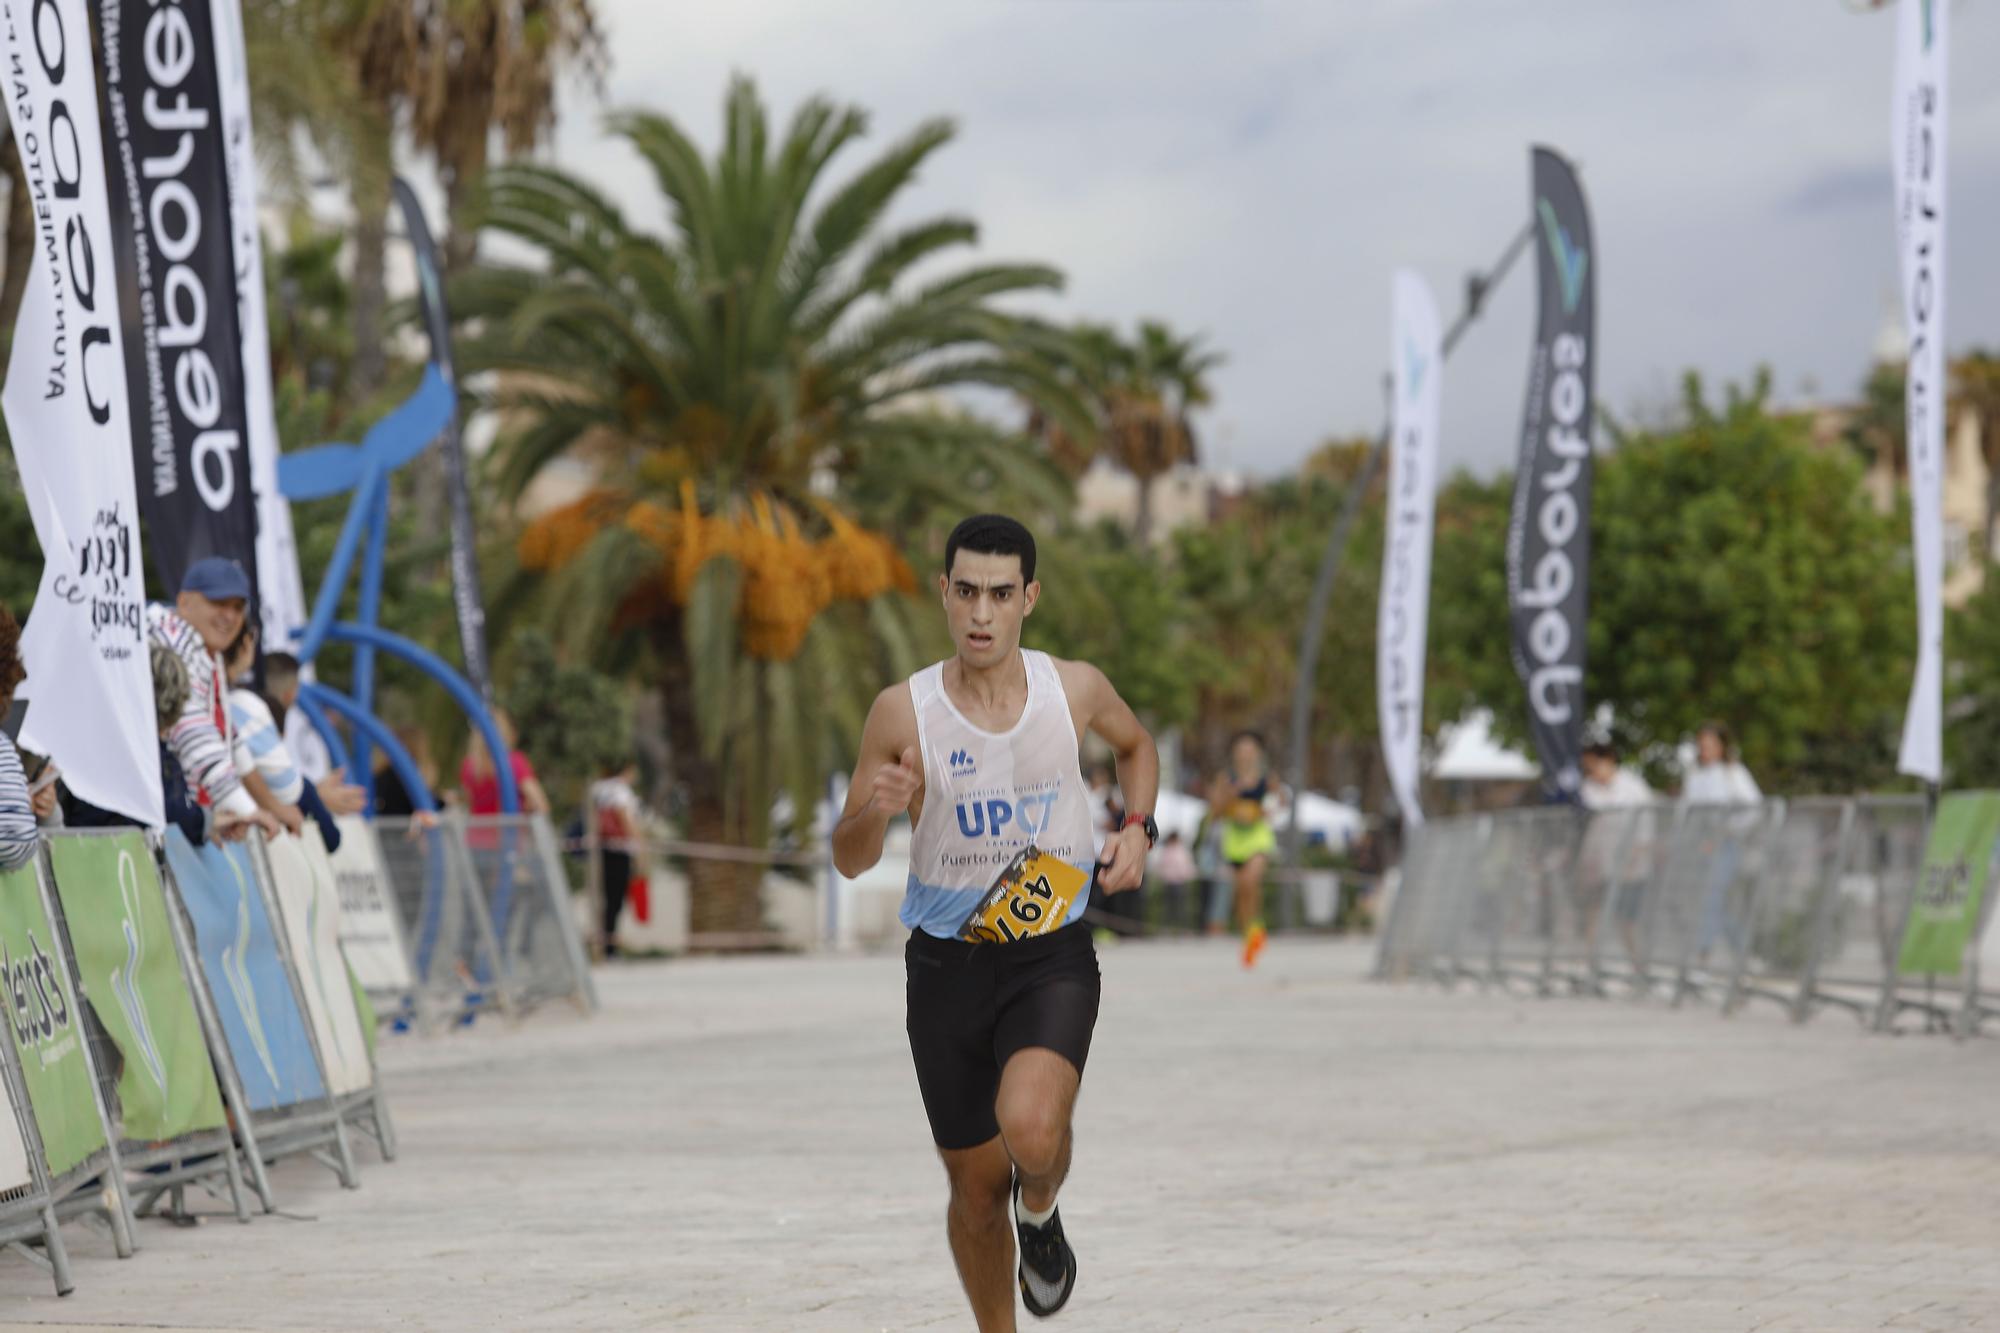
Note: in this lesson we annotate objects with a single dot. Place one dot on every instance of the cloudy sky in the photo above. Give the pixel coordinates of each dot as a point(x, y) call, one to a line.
point(1255, 169)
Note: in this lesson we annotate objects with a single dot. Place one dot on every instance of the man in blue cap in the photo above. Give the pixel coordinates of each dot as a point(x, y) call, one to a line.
point(205, 617)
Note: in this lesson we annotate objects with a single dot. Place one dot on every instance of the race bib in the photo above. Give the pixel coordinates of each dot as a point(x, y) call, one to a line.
point(1032, 896)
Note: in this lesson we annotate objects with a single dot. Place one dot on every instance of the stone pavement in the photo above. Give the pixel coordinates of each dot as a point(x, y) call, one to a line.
point(737, 1145)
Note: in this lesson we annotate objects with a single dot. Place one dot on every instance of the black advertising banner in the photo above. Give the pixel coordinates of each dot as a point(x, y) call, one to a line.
point(170, 239)
point(1548, 540)
point(464, 542)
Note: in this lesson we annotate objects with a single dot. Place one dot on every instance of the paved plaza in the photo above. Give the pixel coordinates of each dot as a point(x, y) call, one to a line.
point(737, 1145)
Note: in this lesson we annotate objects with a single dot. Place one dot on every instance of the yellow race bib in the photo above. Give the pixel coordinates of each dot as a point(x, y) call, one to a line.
point(1032, 896)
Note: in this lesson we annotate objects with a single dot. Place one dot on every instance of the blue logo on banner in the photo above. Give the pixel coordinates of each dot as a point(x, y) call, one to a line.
point(1571, 261)
point(239, 958)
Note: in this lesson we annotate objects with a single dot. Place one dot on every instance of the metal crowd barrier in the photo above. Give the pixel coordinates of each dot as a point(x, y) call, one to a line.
point(1801, 903)
point(181, 1017)
point(175, 1017)
point(484, 909)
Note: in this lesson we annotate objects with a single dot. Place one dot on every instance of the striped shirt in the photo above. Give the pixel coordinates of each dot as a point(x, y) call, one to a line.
point(199, 736)
point(17, 811)
point(260, 747)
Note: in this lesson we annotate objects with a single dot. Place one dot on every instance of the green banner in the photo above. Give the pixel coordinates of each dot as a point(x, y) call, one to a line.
point(110, 891)
point(47, 1026)
point(1952, 883)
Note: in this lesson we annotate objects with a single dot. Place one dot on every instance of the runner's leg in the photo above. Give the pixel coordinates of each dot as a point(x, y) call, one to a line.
point(1250, 891)
point(1037, 1095)
point(980, 1226)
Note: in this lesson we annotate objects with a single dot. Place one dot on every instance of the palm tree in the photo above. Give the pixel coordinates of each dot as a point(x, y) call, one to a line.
point(724, 384)
point(1976, 377)
point(1142, 395)
point(1171, 376)
point(449, 73)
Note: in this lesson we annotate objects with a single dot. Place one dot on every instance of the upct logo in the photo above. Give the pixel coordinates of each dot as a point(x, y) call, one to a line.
point(1571, 263)
point(1029, 812)
point(962, 765)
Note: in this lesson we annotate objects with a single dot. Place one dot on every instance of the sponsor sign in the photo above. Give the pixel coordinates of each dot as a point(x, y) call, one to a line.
point(65, 403)
point(1548, 539)
point(110, 891)
point(239, 957)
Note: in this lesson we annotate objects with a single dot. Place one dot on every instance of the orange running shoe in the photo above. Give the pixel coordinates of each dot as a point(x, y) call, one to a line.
point(1253, 943)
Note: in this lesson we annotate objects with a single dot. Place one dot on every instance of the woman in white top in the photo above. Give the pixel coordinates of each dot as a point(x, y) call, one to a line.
point(1719, 778)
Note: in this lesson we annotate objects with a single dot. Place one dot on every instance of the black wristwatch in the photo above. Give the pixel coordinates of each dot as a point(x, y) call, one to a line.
point(1145, 822)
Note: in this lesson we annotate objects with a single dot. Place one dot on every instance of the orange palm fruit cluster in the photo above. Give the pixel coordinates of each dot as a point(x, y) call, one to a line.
point(788, 577)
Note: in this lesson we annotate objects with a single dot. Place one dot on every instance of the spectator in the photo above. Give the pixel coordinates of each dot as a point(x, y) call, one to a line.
point(169, 699)
point(481, 785)
point(265, 763)
point(204, 620)
point(1719, 777)
point(1617, 850)
point(17, 809)
point(1175, 864)
point(392, 796)
point(281, 688)
point(1608, 785)
point(614, 806)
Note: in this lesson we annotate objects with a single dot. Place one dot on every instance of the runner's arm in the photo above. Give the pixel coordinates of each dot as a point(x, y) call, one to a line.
point(885, 771)
point(1138, 762)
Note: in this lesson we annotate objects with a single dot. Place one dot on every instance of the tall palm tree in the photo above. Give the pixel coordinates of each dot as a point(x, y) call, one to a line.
point(725, 383)
point(450, 74)
point(1171, 380)
point(1142, 395)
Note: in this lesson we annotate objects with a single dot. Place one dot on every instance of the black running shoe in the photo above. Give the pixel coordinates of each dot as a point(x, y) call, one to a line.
point(1048, 1266)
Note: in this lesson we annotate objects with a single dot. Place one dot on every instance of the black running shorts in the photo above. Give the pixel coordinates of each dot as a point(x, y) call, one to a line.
point(971, 1006)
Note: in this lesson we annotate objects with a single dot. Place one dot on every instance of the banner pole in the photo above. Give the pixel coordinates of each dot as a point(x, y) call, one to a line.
point(1477, 287)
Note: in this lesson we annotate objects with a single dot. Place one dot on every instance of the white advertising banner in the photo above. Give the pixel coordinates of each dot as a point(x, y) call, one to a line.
point(1919, 146)
point(281, 592)
point(1403, 617)
point(303, 876)
point(371, 931)
point(89, 677)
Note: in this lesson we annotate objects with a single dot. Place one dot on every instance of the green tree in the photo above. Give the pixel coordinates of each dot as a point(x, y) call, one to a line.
point(1972, 717)
point(1108, 601)
point(1737, 572)
point(1877, 429)
point(573, 720)
point(20, 553)
point(721, 384)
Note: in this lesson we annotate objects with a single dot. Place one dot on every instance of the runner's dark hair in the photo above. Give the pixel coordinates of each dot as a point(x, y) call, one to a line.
point(992, 534)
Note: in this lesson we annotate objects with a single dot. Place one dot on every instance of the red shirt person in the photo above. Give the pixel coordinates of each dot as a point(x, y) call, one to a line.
point(481, 784)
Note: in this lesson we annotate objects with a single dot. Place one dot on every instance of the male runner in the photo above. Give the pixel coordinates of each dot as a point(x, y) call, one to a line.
point(981, 749)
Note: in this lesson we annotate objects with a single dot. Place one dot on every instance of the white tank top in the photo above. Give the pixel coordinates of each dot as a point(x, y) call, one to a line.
point(989, 794)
